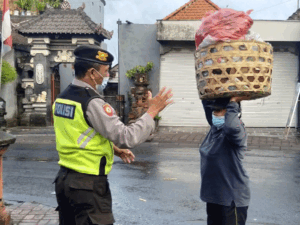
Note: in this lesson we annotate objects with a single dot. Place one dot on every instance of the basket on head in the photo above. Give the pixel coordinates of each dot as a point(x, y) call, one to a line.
point(235, 68)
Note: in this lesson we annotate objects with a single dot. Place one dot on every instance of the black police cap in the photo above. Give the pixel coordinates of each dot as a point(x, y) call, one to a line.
point(94, 54)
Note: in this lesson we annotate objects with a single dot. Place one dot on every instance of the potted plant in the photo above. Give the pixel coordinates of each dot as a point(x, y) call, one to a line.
point(55, 4)
point(139, 70)
point(34, 11)
point(40, 6)
point(21, 4)
point(28, 7)
point(16, 12)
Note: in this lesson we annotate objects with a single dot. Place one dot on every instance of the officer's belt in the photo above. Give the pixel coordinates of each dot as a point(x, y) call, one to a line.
point(101, 172)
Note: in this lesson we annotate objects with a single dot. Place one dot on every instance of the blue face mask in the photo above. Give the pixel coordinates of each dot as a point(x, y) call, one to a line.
point(218, 121)
point(104, 82)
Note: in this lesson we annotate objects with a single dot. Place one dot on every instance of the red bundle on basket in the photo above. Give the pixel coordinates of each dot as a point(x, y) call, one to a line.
point(223, 25)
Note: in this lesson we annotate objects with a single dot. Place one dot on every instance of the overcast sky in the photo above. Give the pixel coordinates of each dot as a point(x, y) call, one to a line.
point(149, 11)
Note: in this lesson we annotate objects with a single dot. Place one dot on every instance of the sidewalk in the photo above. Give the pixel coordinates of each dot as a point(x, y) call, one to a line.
point(31, 214)
point(258, 138)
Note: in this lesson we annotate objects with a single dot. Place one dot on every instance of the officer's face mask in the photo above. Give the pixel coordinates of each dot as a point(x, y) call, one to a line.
point(104, 81)
point(218, 121)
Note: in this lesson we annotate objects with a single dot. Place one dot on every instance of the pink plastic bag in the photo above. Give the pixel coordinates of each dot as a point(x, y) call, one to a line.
point(224, 25)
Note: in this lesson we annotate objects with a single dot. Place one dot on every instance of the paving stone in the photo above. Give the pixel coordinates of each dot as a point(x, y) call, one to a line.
point(38, 217)
point(29, 217)
point(183, 136)
point(41, 211)
point(43, 222)
point(18, 211)
point(29, 223)
point(53, 222)
point(17, 217)
point(50, 217)
point(25, 212)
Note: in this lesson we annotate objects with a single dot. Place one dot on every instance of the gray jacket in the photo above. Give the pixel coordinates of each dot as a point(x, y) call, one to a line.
point(223, 177)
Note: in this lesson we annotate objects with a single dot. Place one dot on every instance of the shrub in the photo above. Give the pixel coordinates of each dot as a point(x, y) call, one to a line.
point(8, 74)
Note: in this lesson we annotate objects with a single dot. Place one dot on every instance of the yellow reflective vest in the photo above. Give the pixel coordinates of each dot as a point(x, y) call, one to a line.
point(79, 146)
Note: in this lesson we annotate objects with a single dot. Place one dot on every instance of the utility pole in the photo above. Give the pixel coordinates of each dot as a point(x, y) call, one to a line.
point(297, 4)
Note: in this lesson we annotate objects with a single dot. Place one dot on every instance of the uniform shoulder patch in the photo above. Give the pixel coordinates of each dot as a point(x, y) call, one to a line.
point(108, 109)
point(64, 110)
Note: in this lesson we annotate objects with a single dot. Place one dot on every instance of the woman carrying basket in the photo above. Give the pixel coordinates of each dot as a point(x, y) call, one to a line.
point(224, 181)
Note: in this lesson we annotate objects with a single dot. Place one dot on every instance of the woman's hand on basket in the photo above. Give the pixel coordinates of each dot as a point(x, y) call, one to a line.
point(239, 99)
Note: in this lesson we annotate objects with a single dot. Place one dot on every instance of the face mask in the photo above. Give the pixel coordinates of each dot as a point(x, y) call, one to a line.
point(218, 121)
point(104, 81)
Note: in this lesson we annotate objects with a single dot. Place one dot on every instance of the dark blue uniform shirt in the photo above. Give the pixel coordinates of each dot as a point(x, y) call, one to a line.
point(223, 177)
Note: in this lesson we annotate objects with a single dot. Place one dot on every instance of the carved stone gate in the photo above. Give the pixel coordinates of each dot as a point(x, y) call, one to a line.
point(53, 36)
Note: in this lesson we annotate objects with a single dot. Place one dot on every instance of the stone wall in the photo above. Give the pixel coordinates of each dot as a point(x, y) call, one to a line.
point(137, 46)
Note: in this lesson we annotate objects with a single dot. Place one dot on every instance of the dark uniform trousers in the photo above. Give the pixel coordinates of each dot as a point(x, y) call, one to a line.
point(83, 199)
point(226, 215)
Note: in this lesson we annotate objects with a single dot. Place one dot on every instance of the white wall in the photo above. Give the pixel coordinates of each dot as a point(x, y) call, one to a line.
point(8, 91)
point(269, 30)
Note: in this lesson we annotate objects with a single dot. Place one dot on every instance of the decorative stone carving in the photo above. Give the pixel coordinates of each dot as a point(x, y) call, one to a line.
point(48, 6)
point(39, 73)
point(65, 5)
point(28, 93)
point(82, 7)
point(44, 52)
point(45, 40)
point(64, 56)
point(91, 41)
point(31, 64)
point(32, 98)
point(42, 97)
point(27, 82)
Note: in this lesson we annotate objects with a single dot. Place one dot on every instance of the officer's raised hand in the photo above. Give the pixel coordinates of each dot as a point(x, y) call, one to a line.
point(159, 102)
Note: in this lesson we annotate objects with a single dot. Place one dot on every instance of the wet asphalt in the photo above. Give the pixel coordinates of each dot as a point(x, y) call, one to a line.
point(162, 186)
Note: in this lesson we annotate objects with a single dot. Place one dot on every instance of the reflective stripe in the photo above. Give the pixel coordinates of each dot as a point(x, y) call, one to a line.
point(88, 139)
point(83, 135)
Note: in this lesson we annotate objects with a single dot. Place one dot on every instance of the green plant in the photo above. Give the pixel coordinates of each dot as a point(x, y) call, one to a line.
point(28, 5)
point(40, 5)
point(157, 117)
point(139, 69)
point(8, 74)
point(21, 3)
point(55, 3)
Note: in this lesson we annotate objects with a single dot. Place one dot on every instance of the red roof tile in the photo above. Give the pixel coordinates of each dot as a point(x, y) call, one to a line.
point(193, 10)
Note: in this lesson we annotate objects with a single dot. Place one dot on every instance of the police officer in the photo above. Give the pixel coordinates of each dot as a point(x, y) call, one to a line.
point(88, 132)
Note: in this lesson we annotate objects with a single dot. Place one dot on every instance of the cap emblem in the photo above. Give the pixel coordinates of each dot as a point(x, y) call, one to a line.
point(102, 56)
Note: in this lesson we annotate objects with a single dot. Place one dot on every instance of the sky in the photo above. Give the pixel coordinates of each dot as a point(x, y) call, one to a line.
point(149, 11)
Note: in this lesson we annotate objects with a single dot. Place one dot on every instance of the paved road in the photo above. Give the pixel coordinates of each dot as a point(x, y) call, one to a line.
point(162, 186)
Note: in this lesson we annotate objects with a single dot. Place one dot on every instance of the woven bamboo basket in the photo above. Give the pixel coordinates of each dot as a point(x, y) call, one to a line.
point(235, 68)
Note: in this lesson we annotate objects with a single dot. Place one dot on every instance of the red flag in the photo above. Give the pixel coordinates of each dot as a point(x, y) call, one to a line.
point(6, 28)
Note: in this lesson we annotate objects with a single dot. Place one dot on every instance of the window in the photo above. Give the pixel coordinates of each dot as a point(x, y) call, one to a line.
point(99, 8)
point(92, 3)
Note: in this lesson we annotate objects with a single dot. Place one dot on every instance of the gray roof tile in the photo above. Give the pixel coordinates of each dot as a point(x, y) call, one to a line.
point(60, 21)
